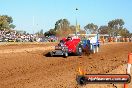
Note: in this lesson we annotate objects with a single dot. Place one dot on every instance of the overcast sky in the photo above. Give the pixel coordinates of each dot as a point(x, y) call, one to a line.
point(44, 13)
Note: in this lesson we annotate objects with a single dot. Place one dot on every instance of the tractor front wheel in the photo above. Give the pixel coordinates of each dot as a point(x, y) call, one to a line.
point(65, 54)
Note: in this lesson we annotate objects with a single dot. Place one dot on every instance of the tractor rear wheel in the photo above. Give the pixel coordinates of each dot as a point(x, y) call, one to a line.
point(79, 51)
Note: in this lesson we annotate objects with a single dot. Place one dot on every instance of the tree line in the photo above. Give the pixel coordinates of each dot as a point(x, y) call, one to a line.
point(113, 28)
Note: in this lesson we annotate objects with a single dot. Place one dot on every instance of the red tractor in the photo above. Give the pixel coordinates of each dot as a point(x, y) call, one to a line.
point(67, 46)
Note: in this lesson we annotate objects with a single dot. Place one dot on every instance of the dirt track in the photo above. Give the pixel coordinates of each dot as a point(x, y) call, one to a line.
point(31, 69)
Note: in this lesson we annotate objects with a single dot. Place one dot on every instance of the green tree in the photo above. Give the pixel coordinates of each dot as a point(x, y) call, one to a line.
point(58, 25)
point(62, 24)
point(50, 32)
point(12, 26)
point(124, 32)
point(103, 30)
point(3, 23)
point(115, 26)
point(8, 18)
point(6, 22)
point(91, 28)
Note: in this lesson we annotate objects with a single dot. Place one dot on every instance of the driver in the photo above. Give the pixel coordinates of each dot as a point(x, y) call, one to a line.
point(61, 43)
point(69, 38)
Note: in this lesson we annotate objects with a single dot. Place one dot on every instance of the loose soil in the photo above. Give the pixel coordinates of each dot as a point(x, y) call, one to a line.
point(26, 66)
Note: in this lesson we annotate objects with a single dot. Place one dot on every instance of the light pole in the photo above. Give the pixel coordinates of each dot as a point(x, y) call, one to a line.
point(76, 22)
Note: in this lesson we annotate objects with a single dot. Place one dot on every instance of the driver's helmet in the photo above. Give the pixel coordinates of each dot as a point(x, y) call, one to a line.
point(69, 38)
point(62, 41)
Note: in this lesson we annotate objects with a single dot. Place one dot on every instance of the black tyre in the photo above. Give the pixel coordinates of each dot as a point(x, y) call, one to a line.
point(79, 50)
point(65, 54)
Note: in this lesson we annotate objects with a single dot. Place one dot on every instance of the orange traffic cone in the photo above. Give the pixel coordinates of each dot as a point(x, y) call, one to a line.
point(81, 72)
point(125, 85)
point(128, 67)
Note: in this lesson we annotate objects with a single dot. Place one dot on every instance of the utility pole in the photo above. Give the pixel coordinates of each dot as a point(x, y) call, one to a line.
point(76, 23)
